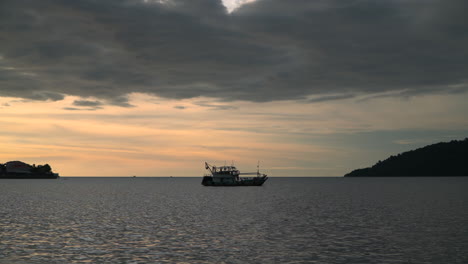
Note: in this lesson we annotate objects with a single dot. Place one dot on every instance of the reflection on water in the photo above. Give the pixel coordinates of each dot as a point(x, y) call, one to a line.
point(288, 220)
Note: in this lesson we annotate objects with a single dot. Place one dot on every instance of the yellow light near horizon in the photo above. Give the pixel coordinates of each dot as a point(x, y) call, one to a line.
point(158, 137)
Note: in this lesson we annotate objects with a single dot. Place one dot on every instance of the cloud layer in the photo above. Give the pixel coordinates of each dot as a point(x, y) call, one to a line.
point(264, 51)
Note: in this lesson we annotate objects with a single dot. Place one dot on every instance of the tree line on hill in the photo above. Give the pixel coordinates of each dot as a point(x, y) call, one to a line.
point(441, 159)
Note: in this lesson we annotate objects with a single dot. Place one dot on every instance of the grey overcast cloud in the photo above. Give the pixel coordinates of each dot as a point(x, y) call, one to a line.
point(262, 51)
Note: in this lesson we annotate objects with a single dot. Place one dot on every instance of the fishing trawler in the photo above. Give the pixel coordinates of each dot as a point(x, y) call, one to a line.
point(231, 176)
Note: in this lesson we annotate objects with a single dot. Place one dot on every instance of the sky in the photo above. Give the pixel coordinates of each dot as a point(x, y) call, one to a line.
point(158, 87)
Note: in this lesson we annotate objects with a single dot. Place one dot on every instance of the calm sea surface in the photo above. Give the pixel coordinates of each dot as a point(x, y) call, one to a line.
point(288, 220)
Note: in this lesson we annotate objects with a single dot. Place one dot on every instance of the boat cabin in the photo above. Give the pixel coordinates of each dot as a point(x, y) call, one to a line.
point(225, 174)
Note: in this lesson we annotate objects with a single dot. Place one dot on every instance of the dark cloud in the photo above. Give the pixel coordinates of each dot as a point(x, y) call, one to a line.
point(215, 106)
point(267, 50)
point(81, 109)
point(181, 107)
point(87, 103)
point(330, 98)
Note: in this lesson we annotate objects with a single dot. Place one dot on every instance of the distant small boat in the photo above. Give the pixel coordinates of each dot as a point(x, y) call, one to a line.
point(230, 176)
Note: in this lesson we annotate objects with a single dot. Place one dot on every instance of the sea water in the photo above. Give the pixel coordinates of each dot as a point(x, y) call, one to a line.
point(288, 220)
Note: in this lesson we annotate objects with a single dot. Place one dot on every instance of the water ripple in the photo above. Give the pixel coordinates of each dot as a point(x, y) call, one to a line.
point(168, 220)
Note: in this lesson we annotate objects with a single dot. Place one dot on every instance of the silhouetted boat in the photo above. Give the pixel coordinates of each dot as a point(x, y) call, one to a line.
point(21, 170)
point(230, 176)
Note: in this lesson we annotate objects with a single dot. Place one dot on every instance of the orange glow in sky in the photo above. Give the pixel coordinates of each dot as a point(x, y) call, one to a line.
point(160, 137)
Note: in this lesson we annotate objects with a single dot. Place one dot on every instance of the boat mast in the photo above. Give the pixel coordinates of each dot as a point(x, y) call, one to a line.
point(208, 167)
point(258, 168)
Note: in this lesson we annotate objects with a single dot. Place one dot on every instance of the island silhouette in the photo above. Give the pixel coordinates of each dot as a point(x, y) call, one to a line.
point(441, 159)
point(21, 170)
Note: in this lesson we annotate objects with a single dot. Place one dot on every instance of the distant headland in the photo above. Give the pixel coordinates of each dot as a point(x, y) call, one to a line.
point(441, 159)
point(21, 170)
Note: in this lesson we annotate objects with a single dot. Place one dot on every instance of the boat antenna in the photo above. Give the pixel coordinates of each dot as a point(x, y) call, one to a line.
point(258, 168)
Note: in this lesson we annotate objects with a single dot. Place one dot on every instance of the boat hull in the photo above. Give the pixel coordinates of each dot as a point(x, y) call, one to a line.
point(257, 181)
